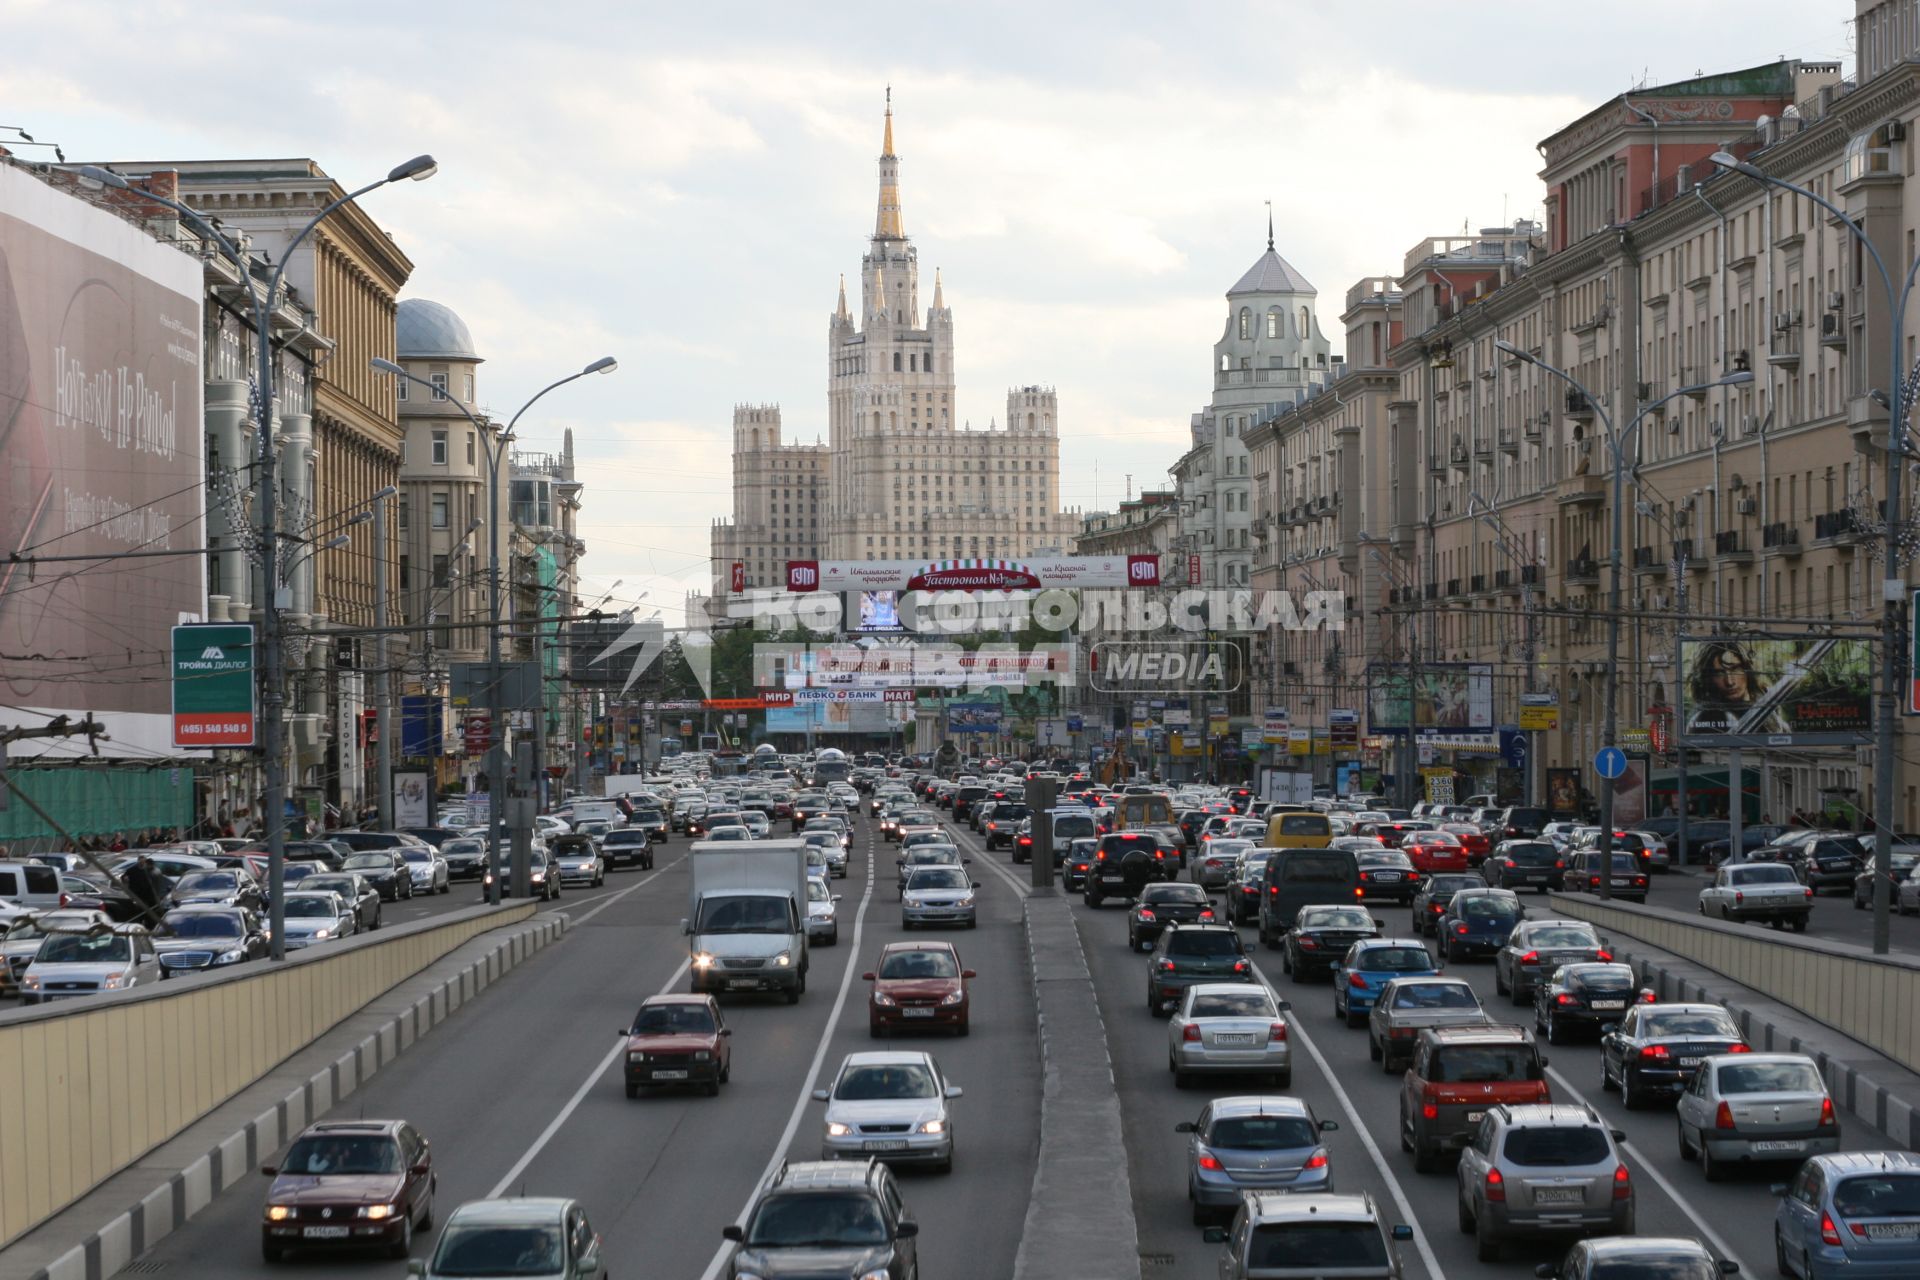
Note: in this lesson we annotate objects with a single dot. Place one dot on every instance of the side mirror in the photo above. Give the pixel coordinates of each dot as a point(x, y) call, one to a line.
point(270, 1170)
point(1401, 1231)
point(1728, 1267)
point(907, 1229)
point(968, 973)
point(726, 1031)
point(1378, 923)
point(1619, 1135)
point(1608, 1028)
point(1329, 1126)
point(420, 1170)
point(1543, 1062)
point(954, 1091)
point(836, 897)
point(867, 977)
point(417, 1267)
point(623, 1031)
point(1777, 1189)
point(821, 1095)
point(1285, 1006)
point(1546, 1271)
point(1214, 1235)
point(686, 927)
point(732, 1231)
point(1185, 1126)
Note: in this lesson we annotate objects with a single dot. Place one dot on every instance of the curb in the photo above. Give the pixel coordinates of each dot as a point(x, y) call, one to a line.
point(173, 1203)
point(1853, 1084)
point(1080, 1219)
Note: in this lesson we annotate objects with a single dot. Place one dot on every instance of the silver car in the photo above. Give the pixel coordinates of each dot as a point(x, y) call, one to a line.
point(1215, 866)
point(833, 852)
point(20, 940)
point(1279, 1236)
point(86, 962)
point(1253, 1143)
point(318, 916)
point(1229, 1027)
point(576, 863)
point(429, 870)
point(939, 894)
point(1748, 1107)
point(1408, 1006)
point(530, 1238)
point(823, 923)
point(1542, 1169)
point(889, 1106)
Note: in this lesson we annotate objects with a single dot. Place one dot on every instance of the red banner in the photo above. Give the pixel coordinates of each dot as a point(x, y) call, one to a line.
point(476, 732)
point(739, 576)
point(1193, 569)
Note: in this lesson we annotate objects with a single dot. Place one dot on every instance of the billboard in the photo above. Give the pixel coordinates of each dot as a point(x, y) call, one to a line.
point(879, 612)
point(101, 452)
point(1773, 691)
point(971, 574)
point(973, 717)
point(213, 685)
point(1449, 696)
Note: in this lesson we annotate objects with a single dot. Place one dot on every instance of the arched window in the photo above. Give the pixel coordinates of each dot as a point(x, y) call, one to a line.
point(1273, 322)
point(1306, 323)
point(1031, 421)
point(1246, 324)
point(1226, 362)
point(896, 362)
point(876, 419)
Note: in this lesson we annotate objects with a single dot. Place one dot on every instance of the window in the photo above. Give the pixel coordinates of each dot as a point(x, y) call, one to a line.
point(1273, 322)
point(401, 386)
point(1246, 324)
point(440, 571)
point(469, 448)
point(439, 381)
point(896, 362)
point(439, 448)
point(1306, 323)
point(440, 510)
point(404, 507)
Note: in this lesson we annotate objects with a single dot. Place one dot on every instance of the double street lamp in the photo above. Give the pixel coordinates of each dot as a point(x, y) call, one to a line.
point(496, 783)
point(1619, 444)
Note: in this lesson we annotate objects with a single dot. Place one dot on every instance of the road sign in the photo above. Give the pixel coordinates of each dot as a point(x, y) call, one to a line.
point(1609, 762)
point(213, 685)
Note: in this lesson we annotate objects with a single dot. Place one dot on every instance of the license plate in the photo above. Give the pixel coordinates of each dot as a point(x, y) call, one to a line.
point(1558, 1195)
point(1473, 1117)
point(883, 1146)
point(742, 984)
point(1386, 877)
point(1233, 1039)
point(1893, 1231)
point(916, 1013)
point(1786, 1147)
point(1689, 1062)
point(1609, 1004)
point(669, 1075)
point(325, 1233)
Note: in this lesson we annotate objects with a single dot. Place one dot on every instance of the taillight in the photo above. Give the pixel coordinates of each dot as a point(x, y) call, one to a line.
point(1723, 1117)
point(1496, 1186)
point(1210, 1161)
point(1412, 876)
point(65, 899)
point(1356, 981)
point(1639, 882)
point(1605, 956)
point(1647, 997)
point(1191, 1035)
point(1739, 897)
point(1277, 1034)
point(1146, 914)
point(1532, 957)
point(1654, 1053)
point(1241, 966)
point(1739, 1048)
point(1308, 944)
point(1206, 915)
point(1166, 966)
point(1460, 929)
point(1318, 1160)
point(1429, 1102)
point(1622, 1183)
point(1826, 1113)
point(1563, 999)
point(1507, 862)
point(1829, 1234)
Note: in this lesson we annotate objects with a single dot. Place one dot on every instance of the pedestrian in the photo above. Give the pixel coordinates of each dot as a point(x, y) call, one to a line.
point(118, 844)
point(147, 887)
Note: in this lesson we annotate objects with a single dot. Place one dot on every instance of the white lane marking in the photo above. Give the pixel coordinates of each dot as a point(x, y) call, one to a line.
point(1296, 1031)
point(1651, 1170)
point(610, 899)
point(967, 841)
point(801, 1103)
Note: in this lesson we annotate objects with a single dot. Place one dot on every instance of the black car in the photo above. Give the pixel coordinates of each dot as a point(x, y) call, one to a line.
point(1903, 864)
point(1320, 936)
point(1519, 822)
point(1826, 863)
point(1125, 863)
point(626, 846)
point(1525, 864)
point(223, 886)
point(466, 857)
point(384, 870)
point(1190, 954)
point(653, 822)
point(1627, 883)
point(1000, 824)
point(1430, 900)
point(1585, 997)
point(354, 890)
point(1190, 823)
point(1389, 874)
point(1162, 905)
point(1714, 851)
point(193, 938)
point(1656, 1048)
point(1478, 922)
point(1075, 862)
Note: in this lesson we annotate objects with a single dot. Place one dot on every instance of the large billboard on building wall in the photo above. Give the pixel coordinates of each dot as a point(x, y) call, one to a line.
point(1775, 691)
point(1446, 697)
point(101, 453)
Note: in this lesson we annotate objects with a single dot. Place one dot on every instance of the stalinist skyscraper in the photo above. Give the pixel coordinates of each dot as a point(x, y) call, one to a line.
point(899, 478)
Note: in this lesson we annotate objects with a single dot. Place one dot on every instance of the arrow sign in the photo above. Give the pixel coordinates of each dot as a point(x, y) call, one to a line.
point(1610, 762)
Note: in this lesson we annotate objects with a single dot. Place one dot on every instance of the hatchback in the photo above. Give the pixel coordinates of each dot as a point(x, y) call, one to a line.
point(1853, 1213)
point(100, 959)
point(889, 1106)
point(1253, 1143)
point(1642, 1257)
point(678, 1040)
point(826, 1218)
point(1190, 954)
point(1277, 1236)
point(1164, 905)
point(917, 985)
point(1370, 965)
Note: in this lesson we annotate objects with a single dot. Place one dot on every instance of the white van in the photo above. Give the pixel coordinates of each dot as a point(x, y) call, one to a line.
point(30, 885)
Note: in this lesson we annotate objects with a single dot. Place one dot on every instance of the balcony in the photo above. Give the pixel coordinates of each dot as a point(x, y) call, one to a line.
point(1509, 440)
point(1453, 586)
point(1477, 584)
point(1483, 448)
point(1693, 381)
point(1728, 544)
point(1432, 591)
point(1583, 572)
point(1578, 406)
point(1836, 529)
point(1686, 554)
point(1458, 455)
point(1437, 463)
point(1581, 491)
point(1534, 427)
point(1780, 539)
point(1503, 579)
point(1530, 575)
point(1833, 331)
point(1649, 560)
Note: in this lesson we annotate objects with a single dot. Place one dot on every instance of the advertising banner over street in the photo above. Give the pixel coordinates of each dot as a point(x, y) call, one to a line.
point(973, 717)
point(1761, 691)
point(973, 574)
point(100, 453)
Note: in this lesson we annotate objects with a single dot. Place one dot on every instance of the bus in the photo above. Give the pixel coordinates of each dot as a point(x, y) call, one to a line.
point(831, 765)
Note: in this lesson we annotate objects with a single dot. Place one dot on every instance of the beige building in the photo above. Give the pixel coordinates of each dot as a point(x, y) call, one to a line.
point(900, 475)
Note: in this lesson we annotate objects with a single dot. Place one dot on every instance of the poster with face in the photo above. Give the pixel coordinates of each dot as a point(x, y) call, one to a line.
point(1754, 691)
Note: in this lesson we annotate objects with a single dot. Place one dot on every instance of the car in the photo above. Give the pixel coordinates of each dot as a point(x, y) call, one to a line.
point(826, 1218)
point(1369, 965)
point(1125, 863)
point(1826, 863)
point(1585, 997)
point(1655, 1049)
point(629, 846)
point(314, 915)
point(1750, 891)
point(1253, 1142)
point(1430, 900)
point(937, 893)
point(1478, 922)
point(1387, 873)
point(543, 880)
point(1560, 833)
point(918, 985)
point(678, 1039)
point(429, 870)
point(1853, 1213)
point(1458, 1074)
point(1435, 851)
point(385, 870)
point(1714, 840)
point(220, 887)
point(756, 822)
point(1471, 838)
point(465, 856)
point(21, 931)
point(999, 825)
point(1229, 1027)
point(650, 822)
point(577, 860)
point(1525, 864)
point(361, 898)
point(1392, 832)
point(1628, 882)
point(349, 1184)
point(1188, 954)
point(73, 962)
point(1648, 850)
point(889, 1105)
point(1746, 1108)
point(1076, 862)
point(1548, 1169)
point(1299, 1237)
point(1213, 868)
point(208, 937)
point(1406, 1006)
point(1163, 905)
point(1246, 884)
point(1320, 935)
point(1536, 948)
point(1638, 1258)
point(530, 1238)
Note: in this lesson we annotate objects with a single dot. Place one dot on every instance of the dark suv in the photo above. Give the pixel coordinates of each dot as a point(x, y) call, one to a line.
point(964, 799)
point(1457, 1075)
point(1187, 954)
point(826, 1217)
point(1125, 863)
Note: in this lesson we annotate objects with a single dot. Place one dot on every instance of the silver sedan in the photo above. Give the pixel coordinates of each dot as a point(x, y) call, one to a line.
point(940, 894)
point(1744, 1107)
point(1229, 1027)
point(429, 870)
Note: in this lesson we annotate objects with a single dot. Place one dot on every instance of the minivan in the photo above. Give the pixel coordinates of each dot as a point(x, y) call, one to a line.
point(1299, 830)
point(1299, 878)
point(30, 885)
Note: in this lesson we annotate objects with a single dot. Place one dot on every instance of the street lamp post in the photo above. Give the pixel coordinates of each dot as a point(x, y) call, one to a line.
point(496, 738)
point(1893, 589)
point(1619, 443)
point(272, 679)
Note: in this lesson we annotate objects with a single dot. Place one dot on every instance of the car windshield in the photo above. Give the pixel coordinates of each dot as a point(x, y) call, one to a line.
point(197, 924)
point(207, 882)
point(938, 878)
point(1530, 854)
point(1233, 1004)
point(1656, 1266)
point(1381, 858)
point(1440, 888)
point(869, 1082)
point(508, 1249)
point(743, 915)
point(1435, 995)
point(347, 889)
point(376, 861)
point(317, 1153)
point(1878, 1195)
point(83, 948)
point(412, 854)
point(310, 908)
point(1189, 893)
point(1202, 942)
point(919, 964)
point(1770, 1077)
point(1393, 960)
point(1560, 1145)
point(673, 1019)
point(1684, 1022)
point(1763, 874)
point(648, 815)
point(1480, 907)
point(1336, 918)
point(1564, 936)
point(816, 1220)
point(463, 845)
point(1313, 1246)
point(817, 890)
point(1484, 1063)
point(1263, 1133)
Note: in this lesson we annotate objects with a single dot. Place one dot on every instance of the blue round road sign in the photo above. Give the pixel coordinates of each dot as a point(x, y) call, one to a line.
point(1610, 762)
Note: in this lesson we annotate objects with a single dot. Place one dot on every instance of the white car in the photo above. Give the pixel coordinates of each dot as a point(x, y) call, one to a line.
point(889, 1106)
point(84, 962)
point(757, 822)
point(314, 917)
point(1560, 834)
point(823, 924)
point(22, 930)
point(429, 870)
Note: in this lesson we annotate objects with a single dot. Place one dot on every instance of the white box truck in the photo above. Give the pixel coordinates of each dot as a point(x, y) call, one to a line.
point(746, 922)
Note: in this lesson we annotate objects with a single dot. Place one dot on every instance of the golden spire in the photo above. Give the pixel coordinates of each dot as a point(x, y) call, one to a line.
point(887, 224)
point(886, 148)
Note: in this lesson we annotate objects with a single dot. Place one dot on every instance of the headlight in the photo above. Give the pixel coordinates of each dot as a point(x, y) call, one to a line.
point(377, 1211)
point(636, 1057)
point(883, 1000)
point(963, 902)
point(31, 980)
point(784, 959)
point(837, 1130)
point(702, 1055)
point(703, 960)
point(538, 876)
point(954, 997)
point(115, 980)
point(912, 902)
point(322, 933)
point(279, 1212)
point(865, 1275)
point(934, 1126)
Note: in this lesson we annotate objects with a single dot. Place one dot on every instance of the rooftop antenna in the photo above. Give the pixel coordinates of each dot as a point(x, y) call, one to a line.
point(1269, 226)
point(1129, 486)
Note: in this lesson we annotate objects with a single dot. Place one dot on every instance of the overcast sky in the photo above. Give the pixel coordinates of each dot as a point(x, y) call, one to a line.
point(681, 186)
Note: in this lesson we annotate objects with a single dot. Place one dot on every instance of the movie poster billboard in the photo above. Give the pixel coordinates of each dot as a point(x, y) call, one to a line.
point(973, 717)
point(101, 453)
point(1774, 691)
point(1449, 696)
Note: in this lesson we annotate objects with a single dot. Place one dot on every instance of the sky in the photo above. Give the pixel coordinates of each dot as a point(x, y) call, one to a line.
point(682, 186)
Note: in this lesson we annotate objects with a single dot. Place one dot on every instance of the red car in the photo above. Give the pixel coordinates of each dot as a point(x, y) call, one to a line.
point(350, 1184)
point(678, 1040)
point(1471, 838)
point(917, 984)
point(1434, 851)
point(1391, 834)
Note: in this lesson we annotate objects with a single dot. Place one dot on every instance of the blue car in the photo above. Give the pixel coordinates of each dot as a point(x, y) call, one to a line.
point(1368, 966)
point(1477, 922)
point(1853, 1213)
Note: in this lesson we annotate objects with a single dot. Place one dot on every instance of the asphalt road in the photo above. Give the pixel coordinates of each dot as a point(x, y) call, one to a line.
point(1834, 915)
point(1333, 1073)
point(520, 1089)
